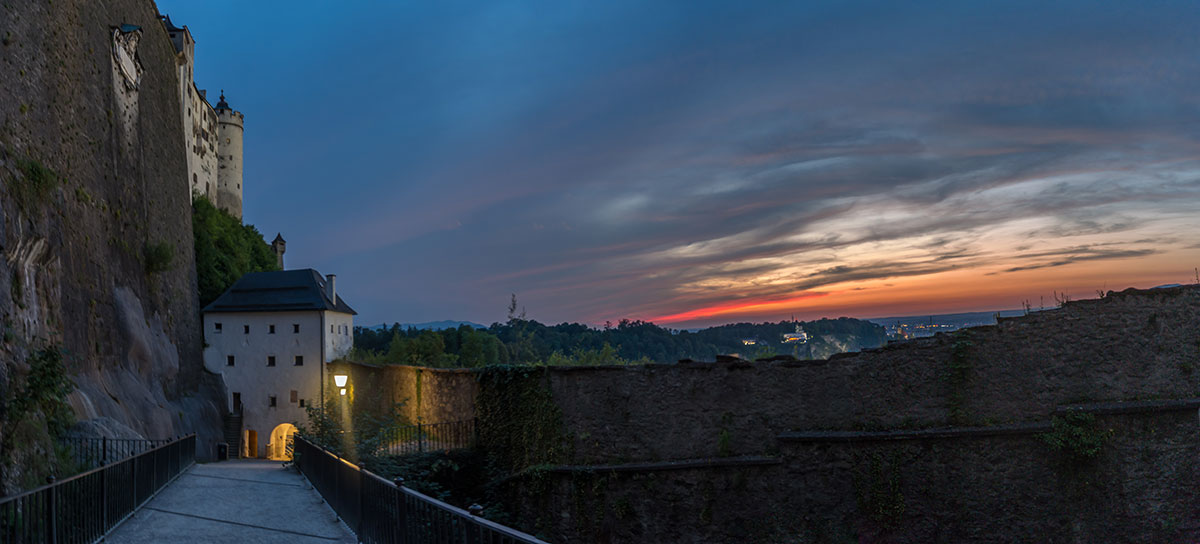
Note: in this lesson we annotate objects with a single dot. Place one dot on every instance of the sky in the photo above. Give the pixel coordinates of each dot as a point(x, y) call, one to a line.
point(692, 163)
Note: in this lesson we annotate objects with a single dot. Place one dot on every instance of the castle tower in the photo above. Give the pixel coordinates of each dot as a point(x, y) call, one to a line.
point(229, 158)
point(278, 245)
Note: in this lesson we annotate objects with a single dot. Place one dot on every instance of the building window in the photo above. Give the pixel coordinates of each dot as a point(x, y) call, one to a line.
point(270, 329)
point(245, 329)
point(229, 360)
point(270, 360)
point(217, 327)
point(302, 403)
point(331, 329)
point(271, 402)
point(299, 360)
point(295, 328)
point(294, 393)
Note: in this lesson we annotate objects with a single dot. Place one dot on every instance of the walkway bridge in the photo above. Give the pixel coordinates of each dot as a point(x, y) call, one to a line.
point(159, 494)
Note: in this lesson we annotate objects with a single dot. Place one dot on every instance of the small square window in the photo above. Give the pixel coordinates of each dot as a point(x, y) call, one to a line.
point(295, 328)
point(270, 329)
point(299, 360)
point(271, 402)
point(302, 403)
point(229, 360)
point(245, 329)
point(217, 327)
point(270, 360)
point(294, 393)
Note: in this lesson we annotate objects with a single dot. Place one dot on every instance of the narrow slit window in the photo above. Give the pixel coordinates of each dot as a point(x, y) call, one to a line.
point(270, 329)
point(229, 360)
point(270, 360)
point(217, 327)
point(271, 401)
point(299, 360)
point(245, 329)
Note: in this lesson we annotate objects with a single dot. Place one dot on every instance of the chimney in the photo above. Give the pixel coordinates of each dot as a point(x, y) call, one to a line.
point(331, 287)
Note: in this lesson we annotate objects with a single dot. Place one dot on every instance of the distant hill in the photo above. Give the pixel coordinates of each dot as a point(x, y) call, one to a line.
point(428, 325)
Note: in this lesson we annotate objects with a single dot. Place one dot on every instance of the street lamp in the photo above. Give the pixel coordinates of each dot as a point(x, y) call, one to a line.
point(340, 381)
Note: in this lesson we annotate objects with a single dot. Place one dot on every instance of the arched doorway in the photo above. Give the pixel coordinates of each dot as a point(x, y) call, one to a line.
point(278, 449)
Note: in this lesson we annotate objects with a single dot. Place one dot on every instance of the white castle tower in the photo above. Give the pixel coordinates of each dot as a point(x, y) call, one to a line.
point(229, 158)
point(212, 136)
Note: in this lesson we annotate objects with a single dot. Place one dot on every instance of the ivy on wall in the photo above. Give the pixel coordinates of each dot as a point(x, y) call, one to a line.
point(958, 373)
point(518, 423)
point(877, 490)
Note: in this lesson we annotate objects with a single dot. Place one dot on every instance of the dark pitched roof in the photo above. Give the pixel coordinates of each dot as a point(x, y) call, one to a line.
point(280, 291)
point(278, 238)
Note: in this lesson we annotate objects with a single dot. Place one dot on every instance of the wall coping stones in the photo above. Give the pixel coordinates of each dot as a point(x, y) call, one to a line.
point(913, 434)
point(1132, 407)
point(681, 464)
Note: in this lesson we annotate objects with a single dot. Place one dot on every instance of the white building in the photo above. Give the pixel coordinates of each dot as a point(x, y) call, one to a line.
point(269, 336)
point(212, 136)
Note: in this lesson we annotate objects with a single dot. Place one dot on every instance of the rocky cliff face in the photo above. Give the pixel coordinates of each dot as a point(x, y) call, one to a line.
point(95, 225)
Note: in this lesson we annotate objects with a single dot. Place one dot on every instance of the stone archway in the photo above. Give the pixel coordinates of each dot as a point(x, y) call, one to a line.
point(277, 449)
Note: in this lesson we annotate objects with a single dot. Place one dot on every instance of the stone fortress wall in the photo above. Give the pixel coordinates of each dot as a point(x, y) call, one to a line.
point(933, 440)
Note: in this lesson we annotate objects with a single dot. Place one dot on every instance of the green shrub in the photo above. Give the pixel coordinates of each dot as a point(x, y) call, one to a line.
point(1075, 435)
point(158, 257)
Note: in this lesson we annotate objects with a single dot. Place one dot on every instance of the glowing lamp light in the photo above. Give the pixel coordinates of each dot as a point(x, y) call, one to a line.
point(343, 392)
point(340, 380)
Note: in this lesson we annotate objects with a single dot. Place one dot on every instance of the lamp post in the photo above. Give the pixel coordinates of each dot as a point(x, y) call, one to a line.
point(340, 381)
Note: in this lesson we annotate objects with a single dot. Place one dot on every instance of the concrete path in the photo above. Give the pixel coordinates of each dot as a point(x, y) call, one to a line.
point(235, 501)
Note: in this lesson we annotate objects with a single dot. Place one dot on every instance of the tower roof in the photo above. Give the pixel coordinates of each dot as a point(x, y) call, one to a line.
point(166, 19)
point(222, 104)
point(278, 238)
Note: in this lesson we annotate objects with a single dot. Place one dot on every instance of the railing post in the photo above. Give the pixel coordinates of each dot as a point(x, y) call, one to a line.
point(401, 511)
point(103, 450)
point(51, 512)
point(104, 498)
point(473, 529)
point(420, 439)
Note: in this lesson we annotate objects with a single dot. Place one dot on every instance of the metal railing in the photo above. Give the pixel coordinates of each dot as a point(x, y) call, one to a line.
point(423, 437)
point(96, 452)
point(379, 511)
point(85, 507)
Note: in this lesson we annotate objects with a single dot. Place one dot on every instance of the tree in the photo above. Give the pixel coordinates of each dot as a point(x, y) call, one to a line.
point(225, 249)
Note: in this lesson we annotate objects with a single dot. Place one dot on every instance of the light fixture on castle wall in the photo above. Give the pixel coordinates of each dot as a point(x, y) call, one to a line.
point(340, 381)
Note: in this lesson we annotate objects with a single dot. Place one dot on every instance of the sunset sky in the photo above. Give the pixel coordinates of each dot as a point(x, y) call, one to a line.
point(695, 162)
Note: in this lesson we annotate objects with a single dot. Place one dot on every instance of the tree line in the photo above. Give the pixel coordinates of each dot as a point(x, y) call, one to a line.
point(526, 341)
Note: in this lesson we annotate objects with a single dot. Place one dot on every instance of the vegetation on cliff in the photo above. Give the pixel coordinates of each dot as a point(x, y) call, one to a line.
point(225, 250)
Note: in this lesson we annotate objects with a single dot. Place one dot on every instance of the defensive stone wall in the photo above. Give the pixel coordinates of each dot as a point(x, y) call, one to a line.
point(1126, 346)
point(946, 439)
point(424, 395)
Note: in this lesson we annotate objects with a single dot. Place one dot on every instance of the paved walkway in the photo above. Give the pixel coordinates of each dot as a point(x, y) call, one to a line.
point(235, 501)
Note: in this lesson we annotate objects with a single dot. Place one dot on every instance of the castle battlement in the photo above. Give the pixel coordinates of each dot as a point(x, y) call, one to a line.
point(212, 135)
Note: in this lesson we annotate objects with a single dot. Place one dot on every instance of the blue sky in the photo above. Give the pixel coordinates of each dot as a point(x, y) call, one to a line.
point(700, 162)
